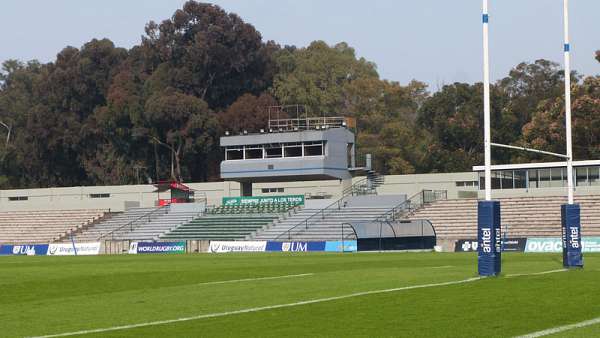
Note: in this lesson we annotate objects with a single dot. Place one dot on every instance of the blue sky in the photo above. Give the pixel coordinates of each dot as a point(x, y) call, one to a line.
point(434, 41)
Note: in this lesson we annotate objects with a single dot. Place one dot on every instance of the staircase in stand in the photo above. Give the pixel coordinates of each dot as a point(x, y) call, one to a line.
point(367, 185)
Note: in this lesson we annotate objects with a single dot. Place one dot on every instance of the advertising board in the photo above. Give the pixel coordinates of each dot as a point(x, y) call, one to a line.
point(508, 245)
point(237, 246)
point(67, 249)
point(341, 246)
point(156, 247)
point(238, 201)
point(295, 246)
point(24, 249)
point(554, 244)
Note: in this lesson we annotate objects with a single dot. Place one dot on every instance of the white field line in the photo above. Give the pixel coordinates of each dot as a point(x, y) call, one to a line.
point(536, 273)
point(561, 328)
point(271, 307)
point(441, 267)
point(256, 309)
point(254, 279)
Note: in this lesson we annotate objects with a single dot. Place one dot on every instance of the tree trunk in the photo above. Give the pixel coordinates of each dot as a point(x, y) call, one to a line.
point(173, 178)
point(156, 163)
point(178, 162)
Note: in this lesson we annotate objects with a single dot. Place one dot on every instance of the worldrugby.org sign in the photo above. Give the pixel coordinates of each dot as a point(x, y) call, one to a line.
point(157, 248)
point(284, 199)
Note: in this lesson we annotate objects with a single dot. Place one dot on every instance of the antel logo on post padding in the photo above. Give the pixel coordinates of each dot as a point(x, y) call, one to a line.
point(486, 240)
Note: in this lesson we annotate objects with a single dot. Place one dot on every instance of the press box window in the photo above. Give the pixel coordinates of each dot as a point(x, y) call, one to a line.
point(293, 150)
point(99, 195)
point(234, 154)
point(254, 153)
point(18, 198)
point(313, 149)
point(273, 151)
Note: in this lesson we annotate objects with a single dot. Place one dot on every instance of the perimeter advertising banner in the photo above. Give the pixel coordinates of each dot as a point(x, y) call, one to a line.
point(295, 246)
point(289, 199)
point(555, 244)
point(24, 249)
point(262, 246)
point(341, 246)
point(157, 247)
point(508, 245)
point(67, 249)
point(237, 246)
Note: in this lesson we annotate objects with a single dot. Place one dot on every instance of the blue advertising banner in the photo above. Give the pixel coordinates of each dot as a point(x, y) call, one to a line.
point(295, 246)
point(331, 246)
point(156, 247)
point(339, 246)
point(24, 249)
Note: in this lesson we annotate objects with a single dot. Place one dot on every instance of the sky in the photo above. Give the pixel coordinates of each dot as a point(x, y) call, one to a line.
point(434, 41)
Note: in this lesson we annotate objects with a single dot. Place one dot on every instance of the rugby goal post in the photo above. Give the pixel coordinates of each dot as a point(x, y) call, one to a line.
point(489, 234)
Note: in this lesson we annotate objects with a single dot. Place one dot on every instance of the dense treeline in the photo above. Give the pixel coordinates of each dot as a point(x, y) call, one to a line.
point(107, 115)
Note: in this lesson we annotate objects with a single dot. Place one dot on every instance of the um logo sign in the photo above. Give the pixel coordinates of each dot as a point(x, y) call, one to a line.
point(294, 246)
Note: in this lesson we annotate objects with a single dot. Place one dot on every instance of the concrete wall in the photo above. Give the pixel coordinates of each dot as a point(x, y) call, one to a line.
point(79, 198)
point(144, 195)
point(413, 184)
point(540, 192)
point(380, 201)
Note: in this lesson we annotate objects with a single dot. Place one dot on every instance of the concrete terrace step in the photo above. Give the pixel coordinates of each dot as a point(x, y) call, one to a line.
point(529, 216)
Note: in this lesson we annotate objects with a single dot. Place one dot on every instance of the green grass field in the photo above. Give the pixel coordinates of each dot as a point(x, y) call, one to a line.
point(54, 295)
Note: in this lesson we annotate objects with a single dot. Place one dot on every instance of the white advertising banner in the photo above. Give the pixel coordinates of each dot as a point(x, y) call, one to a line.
point(237, 246)
point(133, 248)
point(67, 249)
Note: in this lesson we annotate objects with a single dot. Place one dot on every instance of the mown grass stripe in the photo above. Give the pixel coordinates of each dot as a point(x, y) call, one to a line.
point(256, 309)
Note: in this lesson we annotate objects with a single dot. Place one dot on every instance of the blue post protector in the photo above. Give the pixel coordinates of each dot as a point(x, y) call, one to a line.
point(571, 235)
point(489, 238)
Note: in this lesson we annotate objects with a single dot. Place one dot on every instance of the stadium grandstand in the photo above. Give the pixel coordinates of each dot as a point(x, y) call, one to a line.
point(298, 180)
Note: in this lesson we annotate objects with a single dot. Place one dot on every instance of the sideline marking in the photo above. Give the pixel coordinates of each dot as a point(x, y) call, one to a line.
point(256, 309)
point(561, 328)
point(536, 273)
point(254, 279)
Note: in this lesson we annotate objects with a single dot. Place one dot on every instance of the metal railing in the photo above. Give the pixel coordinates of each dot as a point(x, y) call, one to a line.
point(415, 202)
point(131, 223)
point(337, 205)
point(362, 186)
point(306, 123)
point(355, 187)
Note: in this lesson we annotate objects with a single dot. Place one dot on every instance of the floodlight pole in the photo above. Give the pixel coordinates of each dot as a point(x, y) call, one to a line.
point(486, 106)
point(567, 49)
